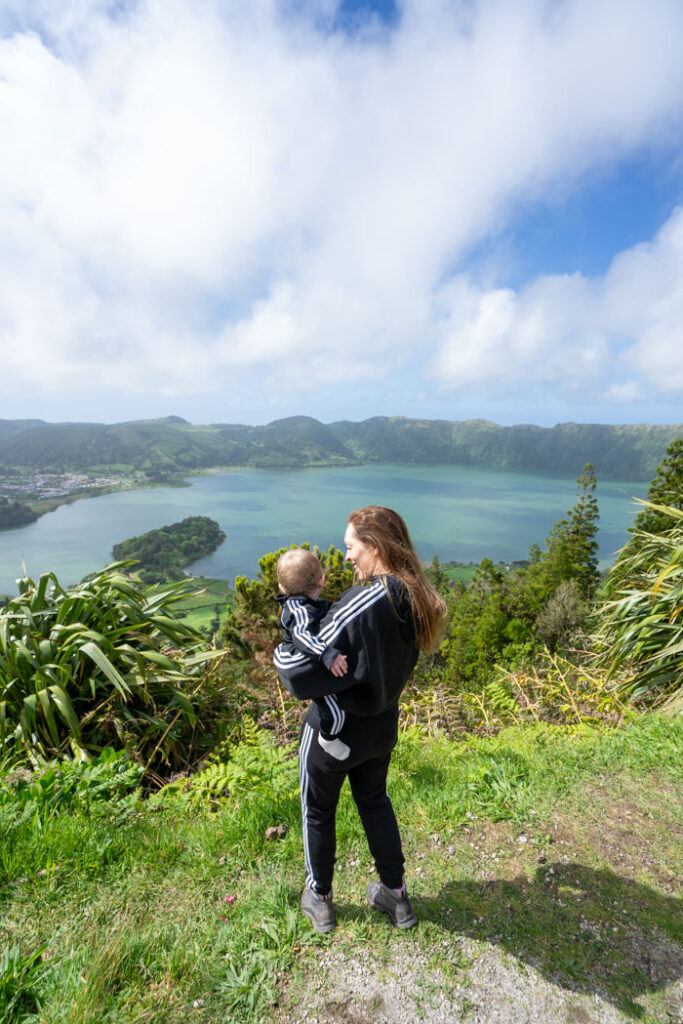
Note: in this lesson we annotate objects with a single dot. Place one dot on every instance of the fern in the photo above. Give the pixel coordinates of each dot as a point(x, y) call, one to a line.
point(253, 765)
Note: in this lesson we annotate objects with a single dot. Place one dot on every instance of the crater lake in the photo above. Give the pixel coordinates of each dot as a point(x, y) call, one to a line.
point(461, 513)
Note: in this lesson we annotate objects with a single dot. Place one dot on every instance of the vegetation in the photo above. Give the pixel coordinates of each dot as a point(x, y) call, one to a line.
point(163, 554)
point(178, 908)
point(101, 663)
point(666, 489)
point(15, 513)
point(640, 627)
point(166, 449)
point(151, 859)
point(504, 616)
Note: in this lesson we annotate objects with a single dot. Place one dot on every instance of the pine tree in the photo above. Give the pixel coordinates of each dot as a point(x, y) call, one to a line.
point(571, 548)
point(582, 534)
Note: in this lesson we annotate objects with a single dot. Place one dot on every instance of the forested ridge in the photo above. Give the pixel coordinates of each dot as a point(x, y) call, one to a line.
point(168, 447)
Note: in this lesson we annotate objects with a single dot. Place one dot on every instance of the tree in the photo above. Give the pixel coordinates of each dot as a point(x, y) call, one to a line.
point(582, 534)
point(15, 513)
point(571, 548)
point(478, 628)
point(666, 488)
point(438, 577)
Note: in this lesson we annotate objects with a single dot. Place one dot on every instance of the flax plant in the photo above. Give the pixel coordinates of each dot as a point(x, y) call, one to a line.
point(641, 621)
point(101, 663)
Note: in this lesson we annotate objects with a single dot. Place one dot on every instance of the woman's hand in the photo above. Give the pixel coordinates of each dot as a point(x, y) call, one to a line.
point(339, 666)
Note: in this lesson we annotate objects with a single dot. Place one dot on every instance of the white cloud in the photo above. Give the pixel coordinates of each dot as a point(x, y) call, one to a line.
point(619, 336)
point(195, 194)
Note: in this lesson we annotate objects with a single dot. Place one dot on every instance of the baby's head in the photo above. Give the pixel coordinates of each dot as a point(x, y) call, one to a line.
point(300, 572)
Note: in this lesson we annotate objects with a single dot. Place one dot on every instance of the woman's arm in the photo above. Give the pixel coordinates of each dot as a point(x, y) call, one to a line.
point(342, 627)
point(303, 625)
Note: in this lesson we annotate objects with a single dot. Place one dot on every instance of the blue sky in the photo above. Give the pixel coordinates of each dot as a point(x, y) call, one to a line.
point(611, 209)
point(440, 209)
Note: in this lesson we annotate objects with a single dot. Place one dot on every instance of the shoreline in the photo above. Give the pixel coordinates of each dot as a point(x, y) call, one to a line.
point(42, 506)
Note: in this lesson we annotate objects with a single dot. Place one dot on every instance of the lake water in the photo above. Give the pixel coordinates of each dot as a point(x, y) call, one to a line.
point(459, 512)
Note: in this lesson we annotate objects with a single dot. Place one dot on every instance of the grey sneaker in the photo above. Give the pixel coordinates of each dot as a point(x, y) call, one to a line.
point(319, 910)
point(381, 898)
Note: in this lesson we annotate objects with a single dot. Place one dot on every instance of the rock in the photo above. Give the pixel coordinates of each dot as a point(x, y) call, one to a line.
point(276, 832)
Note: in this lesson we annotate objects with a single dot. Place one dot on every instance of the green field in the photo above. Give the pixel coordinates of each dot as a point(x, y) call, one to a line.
point(459, 572)
point(214, 598)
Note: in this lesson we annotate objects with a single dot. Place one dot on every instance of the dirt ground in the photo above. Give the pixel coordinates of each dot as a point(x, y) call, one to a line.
point(579, 923)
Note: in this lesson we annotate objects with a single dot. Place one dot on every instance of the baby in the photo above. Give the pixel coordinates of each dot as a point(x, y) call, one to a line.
point(301, 579)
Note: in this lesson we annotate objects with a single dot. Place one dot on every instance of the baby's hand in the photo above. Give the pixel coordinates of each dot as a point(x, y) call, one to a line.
point(339, 666)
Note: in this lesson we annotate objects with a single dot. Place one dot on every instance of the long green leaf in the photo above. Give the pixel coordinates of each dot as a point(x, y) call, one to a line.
point(66, 710)
point(93, 652)
point(44, 699)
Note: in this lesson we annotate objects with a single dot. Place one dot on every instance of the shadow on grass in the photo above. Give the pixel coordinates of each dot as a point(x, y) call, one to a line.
point(590, 931)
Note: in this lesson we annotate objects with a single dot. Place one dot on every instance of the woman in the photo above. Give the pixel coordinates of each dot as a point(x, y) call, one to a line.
point(380, 625)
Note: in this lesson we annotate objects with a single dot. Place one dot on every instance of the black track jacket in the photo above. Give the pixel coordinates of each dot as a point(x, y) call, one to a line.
point(372, 625)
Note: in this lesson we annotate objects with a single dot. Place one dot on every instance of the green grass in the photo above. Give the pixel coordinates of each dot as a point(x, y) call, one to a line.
point(458, 573)
point(146, 913)
point(199, 609)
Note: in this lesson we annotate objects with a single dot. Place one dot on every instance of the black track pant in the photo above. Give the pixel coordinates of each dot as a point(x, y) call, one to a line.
point(321, 776)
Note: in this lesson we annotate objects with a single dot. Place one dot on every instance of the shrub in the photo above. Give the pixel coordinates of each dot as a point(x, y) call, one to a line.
point(562, 616)
point(251, 763)
point(640, 628)
point(109, 782)
point(103, 663)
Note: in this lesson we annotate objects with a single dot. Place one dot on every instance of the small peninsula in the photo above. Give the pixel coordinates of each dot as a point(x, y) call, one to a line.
point(15, 513)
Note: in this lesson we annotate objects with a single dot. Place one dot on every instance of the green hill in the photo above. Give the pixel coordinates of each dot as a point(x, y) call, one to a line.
point(629, 452)
point(163, 447)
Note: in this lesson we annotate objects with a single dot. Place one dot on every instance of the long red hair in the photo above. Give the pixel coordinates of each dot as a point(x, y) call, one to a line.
point(385, 531)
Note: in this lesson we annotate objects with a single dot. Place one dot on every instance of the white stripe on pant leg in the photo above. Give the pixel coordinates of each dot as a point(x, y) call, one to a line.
point(303, 753)
point(341, 713)
point(303, 776)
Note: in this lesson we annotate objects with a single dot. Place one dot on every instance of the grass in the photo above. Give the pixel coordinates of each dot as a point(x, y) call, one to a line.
point(459, 573)
point(199, 609)
point(171, 914)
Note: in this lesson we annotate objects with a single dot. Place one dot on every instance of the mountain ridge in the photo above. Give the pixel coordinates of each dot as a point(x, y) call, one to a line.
point(172, 444)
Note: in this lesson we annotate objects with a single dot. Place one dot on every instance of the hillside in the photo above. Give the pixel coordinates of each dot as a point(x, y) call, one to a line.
point(163, 447)
point(543, 865)
point(621, 452)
